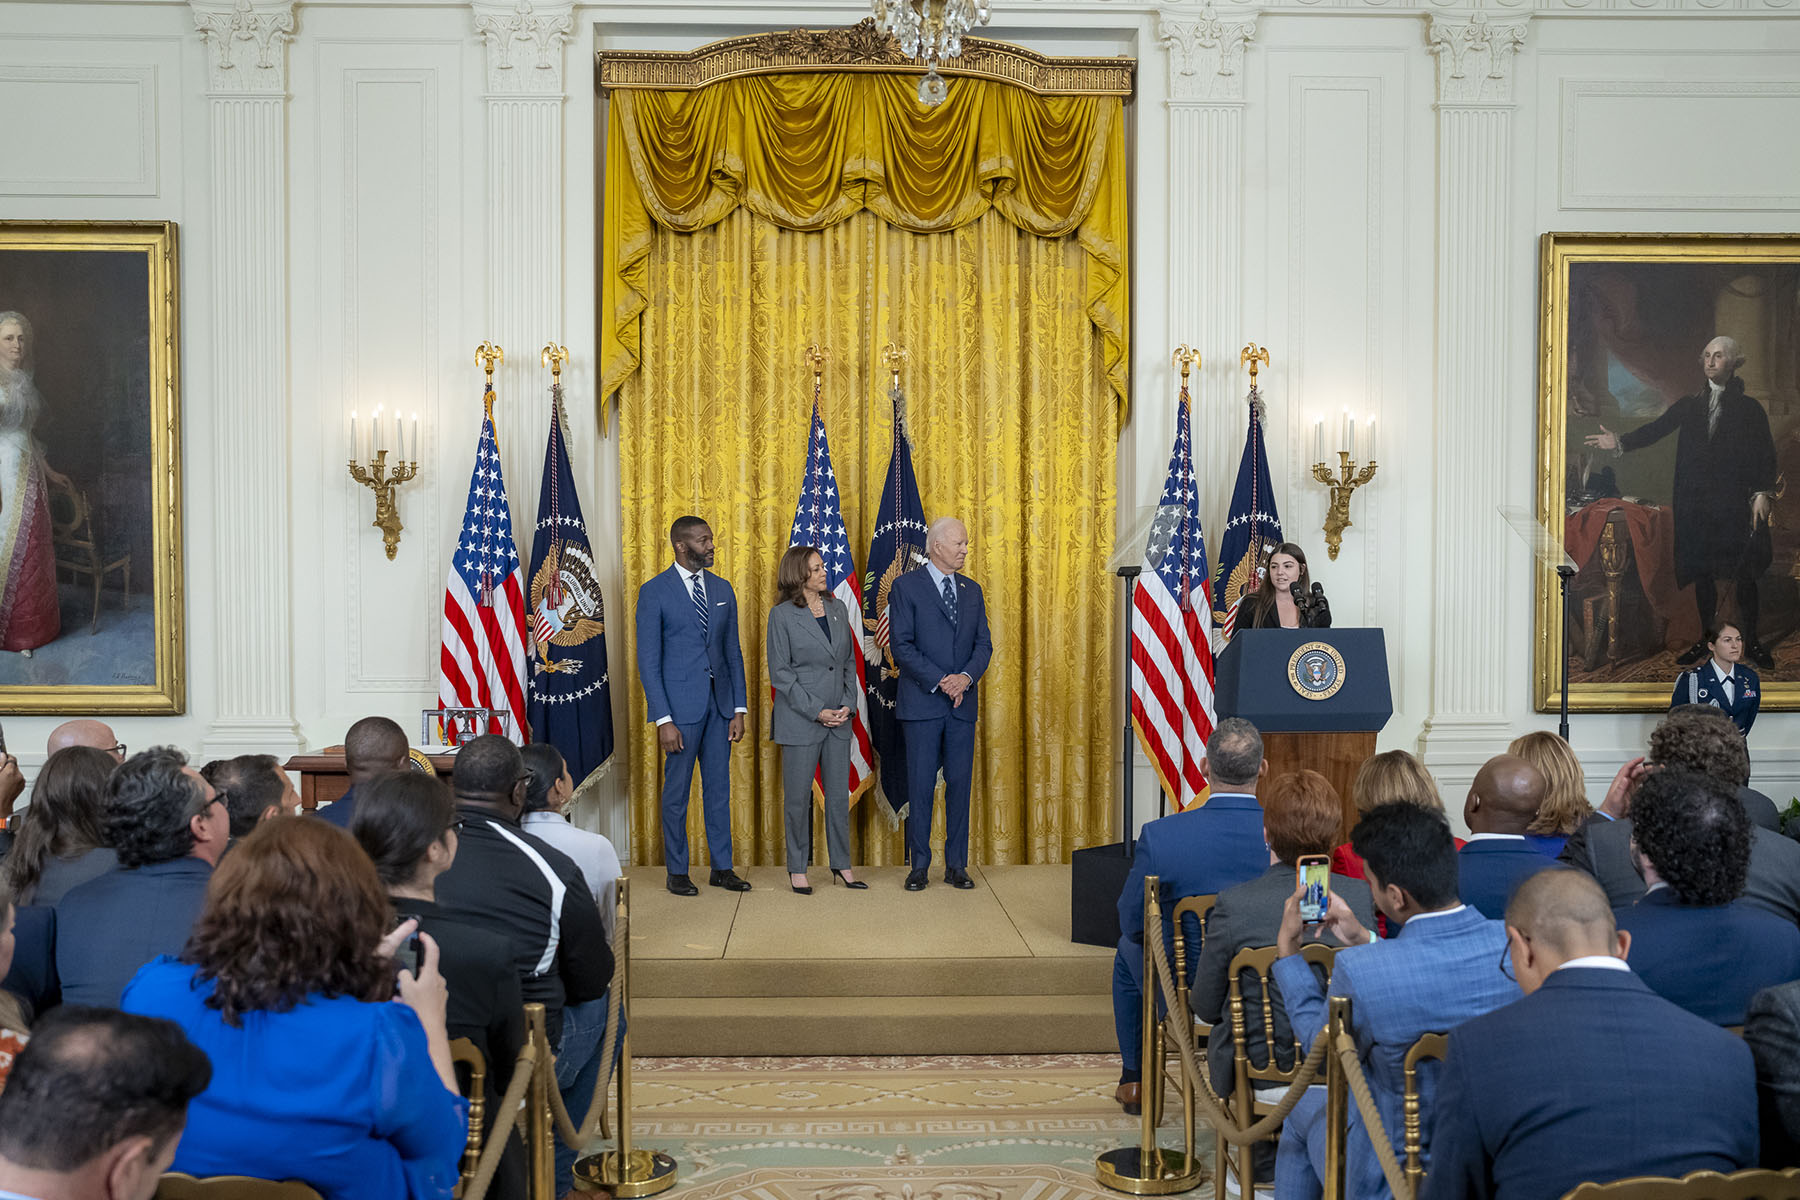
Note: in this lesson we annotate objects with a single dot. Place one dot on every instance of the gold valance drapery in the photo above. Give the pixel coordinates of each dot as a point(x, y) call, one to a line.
point(806, 151)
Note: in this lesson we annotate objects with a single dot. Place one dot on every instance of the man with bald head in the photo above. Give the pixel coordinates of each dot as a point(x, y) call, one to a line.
point(1591, 1075)
point(84, 732)
point(1503, 802)
point(373, 747)
point(939, 634)
point(1723, 491)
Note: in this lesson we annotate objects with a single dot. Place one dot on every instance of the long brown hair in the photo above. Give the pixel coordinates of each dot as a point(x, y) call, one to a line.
point(792, 574)
point(64, 818)
point(294, 910)
point(1262, 600)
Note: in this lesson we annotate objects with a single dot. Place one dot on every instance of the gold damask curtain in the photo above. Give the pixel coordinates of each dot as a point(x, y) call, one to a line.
point(807, 151)
point(1013, 415)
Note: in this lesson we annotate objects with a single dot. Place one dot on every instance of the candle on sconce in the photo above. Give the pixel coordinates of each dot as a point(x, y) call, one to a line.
point(399, 438)
point(376, 442)
point(1371, 446)
point(415, 440)
point(1319, 440)
point(1350, 440)
point(355, 446)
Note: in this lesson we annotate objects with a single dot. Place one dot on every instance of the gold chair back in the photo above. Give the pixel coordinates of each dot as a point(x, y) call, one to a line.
point(1701, 1185)
point(176, 1186)
point(1430, 1046)
point(464, 1053)
point(1245, 1074)
point(1198, 907)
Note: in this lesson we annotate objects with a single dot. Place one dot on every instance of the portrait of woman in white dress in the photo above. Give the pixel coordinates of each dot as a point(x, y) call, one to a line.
point(29, 615)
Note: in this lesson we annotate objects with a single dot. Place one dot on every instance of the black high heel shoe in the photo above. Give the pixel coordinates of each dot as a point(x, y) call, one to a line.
point(837, 877)
point(798, 890)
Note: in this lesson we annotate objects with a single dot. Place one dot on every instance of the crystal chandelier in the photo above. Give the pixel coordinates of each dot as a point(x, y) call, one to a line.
point(932, 30)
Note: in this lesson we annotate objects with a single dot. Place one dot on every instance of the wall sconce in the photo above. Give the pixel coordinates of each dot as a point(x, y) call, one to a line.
point(1348, 478)
point(374, 476)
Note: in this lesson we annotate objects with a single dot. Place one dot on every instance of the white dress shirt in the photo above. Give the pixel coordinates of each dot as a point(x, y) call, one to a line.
point(687, 585)
point(1604, 962)
point(1724, 678)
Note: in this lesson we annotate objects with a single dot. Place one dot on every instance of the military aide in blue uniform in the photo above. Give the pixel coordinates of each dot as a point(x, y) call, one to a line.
point(1722, 680)
point(939, 634)
point(692, 670)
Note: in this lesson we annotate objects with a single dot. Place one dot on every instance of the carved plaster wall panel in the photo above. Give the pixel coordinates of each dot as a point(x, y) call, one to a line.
point(107, 143)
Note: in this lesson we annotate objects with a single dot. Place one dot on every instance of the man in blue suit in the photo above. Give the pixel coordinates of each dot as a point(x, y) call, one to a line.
point(1200, 852)
point(1692, 942)
point(1503, 802)
point(938, 629)
point(692, 670)
point(1553, 1090)
point(1440, 969)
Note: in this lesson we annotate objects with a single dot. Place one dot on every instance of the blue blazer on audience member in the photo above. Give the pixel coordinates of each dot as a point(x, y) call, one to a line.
point(1435, 973)
point(1196, 853)
point(32, 977)
point(1488, 869)
point(337, 1092)
point(109, 927)
point(1591, 1077)
point(340, 811)
point(1709, 960)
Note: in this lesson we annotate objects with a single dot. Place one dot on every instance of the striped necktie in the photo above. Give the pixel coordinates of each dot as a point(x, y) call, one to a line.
point(700, 602)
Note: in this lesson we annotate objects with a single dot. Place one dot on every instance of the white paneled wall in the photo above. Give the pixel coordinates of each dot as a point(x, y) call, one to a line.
point(367, 190)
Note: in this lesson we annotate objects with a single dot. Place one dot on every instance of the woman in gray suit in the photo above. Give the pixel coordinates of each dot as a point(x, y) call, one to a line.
point(814, 677)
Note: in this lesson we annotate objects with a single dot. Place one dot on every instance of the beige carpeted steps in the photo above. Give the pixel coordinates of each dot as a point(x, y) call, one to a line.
point(882, 971)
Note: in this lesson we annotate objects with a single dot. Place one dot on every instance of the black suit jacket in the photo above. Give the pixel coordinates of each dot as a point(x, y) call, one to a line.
point(1602, 848)
point(1772, 1030)
point(1716, 473)
point(109, 927)
point(1553, 1090)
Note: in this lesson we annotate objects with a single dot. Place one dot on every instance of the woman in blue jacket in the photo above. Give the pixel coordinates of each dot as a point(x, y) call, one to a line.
point(1722, 680)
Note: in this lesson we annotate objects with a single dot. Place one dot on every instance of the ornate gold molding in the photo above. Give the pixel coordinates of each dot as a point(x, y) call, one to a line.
point(862, 47)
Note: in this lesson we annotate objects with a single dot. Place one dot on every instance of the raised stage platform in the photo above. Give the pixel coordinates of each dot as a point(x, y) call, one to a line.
point(882, 971)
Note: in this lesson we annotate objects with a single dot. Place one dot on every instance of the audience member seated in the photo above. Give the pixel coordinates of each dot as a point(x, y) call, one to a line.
point(12, 786)
point(1301, 814)
point(96, 1106)
point(1565, 808)
point(320, 1072)
point(168, 829)
point(1591, 1076)
point(1690, 941)
point(1698, 738)
point(31, 980)
point(1441, 968)
point(373, 746)
point(14, 1028)
point(547, 795)
point(253, 787)
point(1195, 853)
point(406, 823)
point(1503, 802)
point(1772, 1030)
point(510, 881)
point(59, 843)
point(1391, 777)
point(97, 734)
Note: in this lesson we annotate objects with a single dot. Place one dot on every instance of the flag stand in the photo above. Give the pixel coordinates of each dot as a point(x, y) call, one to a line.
point(1127, 835)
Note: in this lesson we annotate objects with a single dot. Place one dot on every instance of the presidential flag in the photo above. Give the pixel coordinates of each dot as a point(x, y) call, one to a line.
point(1171, 647)
point(896, 546)
point(571, 698)
point(481, 663)
point(819, 523)
point(1253, 528)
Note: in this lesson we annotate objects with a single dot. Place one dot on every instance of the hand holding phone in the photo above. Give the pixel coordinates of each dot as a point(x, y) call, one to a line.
point(1313, 877)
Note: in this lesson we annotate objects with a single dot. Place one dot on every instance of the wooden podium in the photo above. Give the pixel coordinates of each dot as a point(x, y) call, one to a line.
point(1318, 697)
point(324, 778)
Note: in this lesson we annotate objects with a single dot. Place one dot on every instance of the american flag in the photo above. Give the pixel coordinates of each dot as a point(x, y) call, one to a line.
point(482, 661)
point(1172, 683)
point(819, 523)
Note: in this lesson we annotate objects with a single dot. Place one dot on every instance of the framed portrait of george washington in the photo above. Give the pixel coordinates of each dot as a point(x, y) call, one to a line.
point(91, 589)
point(1669, 427)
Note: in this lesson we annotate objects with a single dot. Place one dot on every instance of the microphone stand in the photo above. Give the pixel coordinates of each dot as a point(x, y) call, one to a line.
point(1564, 573)
point(1129, 574)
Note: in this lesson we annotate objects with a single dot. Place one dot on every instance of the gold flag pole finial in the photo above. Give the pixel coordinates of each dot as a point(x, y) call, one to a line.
point(1253, 354)
point(1187, 358)
point(487, 357)
point(815, 358)
point(554, 356)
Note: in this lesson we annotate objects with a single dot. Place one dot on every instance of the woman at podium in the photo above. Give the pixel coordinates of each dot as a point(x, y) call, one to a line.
point(1287, 598)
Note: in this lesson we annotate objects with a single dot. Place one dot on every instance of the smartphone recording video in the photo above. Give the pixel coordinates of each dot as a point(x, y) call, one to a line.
point(1314, 872)
point(407, 956)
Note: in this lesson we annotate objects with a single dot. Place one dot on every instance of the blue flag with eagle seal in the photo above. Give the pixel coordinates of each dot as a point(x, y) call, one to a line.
point(571, 699)
point(897, 546)
point(1253, 528)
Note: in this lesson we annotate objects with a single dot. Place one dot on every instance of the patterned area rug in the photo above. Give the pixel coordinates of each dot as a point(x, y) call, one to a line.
point(1006, 1127)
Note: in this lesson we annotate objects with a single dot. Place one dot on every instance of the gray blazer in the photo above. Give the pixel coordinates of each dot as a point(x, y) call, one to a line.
point(1771, 884)
point(808, 673)
point(1773, 1032)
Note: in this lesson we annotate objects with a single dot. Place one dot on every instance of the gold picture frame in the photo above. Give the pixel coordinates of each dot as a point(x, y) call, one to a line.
point(1624, 319)
point(90, 457)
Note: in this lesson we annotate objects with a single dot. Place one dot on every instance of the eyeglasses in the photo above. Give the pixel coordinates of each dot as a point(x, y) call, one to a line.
point(117, 748)
point(1506, 967)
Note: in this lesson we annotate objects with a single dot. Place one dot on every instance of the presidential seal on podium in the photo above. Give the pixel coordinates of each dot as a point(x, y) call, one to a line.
point(1316, 670)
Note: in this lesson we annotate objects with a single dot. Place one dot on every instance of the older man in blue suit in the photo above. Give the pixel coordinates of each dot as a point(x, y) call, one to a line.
point(1442, 968)
point(1503, 802)
point(938, 629)
point(1692, 942)
point(1200, 852)
point(1551, 1091)
point(692, 669)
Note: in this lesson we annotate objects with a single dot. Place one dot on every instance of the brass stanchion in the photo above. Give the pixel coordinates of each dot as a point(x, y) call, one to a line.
point(1337, 1102)
point(625, 1171)
point(1147, 1169)
point(540, 1152)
